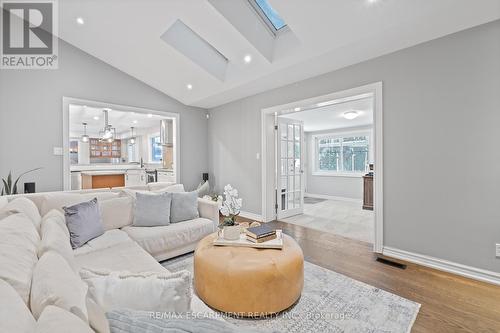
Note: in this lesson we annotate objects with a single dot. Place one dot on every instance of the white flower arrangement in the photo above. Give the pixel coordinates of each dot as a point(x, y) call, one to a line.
point(231, 205)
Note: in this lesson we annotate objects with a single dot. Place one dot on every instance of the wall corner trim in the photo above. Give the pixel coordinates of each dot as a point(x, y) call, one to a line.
point(251, 216)
point(444, 265)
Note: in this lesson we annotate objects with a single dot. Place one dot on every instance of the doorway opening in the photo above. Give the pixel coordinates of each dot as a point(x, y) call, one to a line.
point(325, 171)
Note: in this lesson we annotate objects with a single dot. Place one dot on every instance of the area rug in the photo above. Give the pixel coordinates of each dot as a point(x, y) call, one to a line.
point(309, 200)
point(331, 302)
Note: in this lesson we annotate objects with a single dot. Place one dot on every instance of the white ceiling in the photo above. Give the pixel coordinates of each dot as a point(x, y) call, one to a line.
point(331, 117)
point(331, 34)
point(121, 120)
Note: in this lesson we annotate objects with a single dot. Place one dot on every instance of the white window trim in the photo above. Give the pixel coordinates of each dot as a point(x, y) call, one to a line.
point(336, 134)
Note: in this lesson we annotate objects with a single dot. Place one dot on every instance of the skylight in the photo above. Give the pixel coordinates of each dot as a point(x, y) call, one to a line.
point(271, 16)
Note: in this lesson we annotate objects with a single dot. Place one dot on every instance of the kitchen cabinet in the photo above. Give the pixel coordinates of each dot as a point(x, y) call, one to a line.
point(165, 176)
point(103, 149)
point(135, 178)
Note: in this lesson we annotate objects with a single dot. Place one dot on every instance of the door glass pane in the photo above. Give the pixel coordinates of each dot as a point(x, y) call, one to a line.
point(297, 166)
point(290, 149)
point(283, 201)
point(297, 149)
point(284, 131)
point(284, 168)
point(297, 132)
point(284, 186)
point(291, 169)
point(290, 132)
point(296, 199)
point(284, 148)
point(290, 201)
point(297, 183)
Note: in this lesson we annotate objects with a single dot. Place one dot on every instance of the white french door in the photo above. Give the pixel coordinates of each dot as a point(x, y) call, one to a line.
point(290, 165)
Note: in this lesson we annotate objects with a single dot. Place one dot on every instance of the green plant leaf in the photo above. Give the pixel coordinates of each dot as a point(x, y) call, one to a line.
point(6, 187)
point(14, 188)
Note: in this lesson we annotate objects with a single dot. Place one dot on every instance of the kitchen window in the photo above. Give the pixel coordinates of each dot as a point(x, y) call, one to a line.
point(156, 150)
point(342, 155)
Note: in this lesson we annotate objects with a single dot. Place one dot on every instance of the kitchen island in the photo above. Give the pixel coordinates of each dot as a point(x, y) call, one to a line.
point(103, 179)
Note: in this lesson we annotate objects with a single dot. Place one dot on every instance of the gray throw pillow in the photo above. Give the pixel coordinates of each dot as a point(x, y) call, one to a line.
point(152, 209)
point(184, 206)
point(84, 222)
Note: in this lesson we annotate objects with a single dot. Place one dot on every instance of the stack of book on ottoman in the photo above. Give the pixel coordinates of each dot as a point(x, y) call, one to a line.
point(262, 237)
point(260, 234)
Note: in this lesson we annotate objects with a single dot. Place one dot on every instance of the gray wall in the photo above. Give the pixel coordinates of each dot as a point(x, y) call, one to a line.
point(31, 115)
point(441, 156)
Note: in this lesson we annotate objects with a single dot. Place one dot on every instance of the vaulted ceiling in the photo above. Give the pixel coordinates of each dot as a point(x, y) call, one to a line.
point(207, 48)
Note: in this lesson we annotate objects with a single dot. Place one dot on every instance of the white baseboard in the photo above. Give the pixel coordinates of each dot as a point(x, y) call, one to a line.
point(330, 197)
point(444, 265)
point(251, 216)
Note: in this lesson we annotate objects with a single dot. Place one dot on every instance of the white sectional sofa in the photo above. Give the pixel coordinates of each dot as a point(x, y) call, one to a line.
point(27, 234)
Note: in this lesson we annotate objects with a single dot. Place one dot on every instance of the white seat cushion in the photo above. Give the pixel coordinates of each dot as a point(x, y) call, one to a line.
point(14, 314)
point(125, 256)
point(158, 240)
point(57, 217)
point(57, 320)
point(19, 242)
point(3, 202)
point(108, 239)
point(25, 206)
point(55, 283)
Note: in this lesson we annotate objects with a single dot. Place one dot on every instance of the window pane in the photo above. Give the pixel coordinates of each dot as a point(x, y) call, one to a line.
point(329, 151)
point(271, 14)
point(355, 153)
point(156, 149)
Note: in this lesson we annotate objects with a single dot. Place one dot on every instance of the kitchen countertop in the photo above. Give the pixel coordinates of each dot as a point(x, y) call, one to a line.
point(104, 172)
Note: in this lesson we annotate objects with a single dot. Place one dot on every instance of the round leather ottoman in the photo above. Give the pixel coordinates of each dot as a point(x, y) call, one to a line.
point(247, 281)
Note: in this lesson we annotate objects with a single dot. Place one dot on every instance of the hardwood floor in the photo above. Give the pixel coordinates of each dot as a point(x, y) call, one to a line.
point(450, 303)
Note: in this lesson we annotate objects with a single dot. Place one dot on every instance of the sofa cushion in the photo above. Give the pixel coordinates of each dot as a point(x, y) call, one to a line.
point(166, 187)
point(117, 213)
point(56, 320)
point(14, 314)
point(152, 209)
point(125, 256)
point(97, 317)
point(84, 222)
point(148, 291)
point(108, 239)
point(55, 283)
point(3, 201)
point(54, 238)
point(184, 207)
point(25, 206)
point(58, 218)
point(158, 240)
point(57, 200)
point(19, 241)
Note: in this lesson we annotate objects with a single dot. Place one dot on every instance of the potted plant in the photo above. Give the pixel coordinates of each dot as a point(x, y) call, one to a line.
point(230, 209)
point(10, 187)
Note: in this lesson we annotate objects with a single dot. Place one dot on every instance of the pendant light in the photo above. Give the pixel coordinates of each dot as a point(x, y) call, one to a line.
point(85, 137)
point(108, 133)
point(132, 138)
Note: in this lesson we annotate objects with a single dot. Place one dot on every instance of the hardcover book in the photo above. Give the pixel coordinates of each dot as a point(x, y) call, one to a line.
point(260, 231)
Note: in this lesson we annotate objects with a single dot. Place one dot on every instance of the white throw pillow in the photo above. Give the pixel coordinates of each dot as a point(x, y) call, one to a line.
point(117, 213)
point(164, 292)
point(55, 283)
point(55, 239)
point(58, 200)
point(25, 206)
point(14, 314)
point(56, 320)
point(19, 242)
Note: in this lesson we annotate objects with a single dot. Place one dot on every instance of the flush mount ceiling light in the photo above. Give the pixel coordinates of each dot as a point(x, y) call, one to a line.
point(85, 137)
point(96, 118)
point(150, 115)
point(80, 20)
point(296, 109)
point(135, 121)
point(189, 86)
point(132, 139)
point(247, 59)
point(350, 115)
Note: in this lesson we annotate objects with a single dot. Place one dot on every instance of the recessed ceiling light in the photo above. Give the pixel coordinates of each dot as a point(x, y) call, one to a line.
point(189, 86)
point(350, 115)
point(80, 20)
point(135, 121)
point(96, 118)
point(150, 115)
point(296, 109)
point(247, 59)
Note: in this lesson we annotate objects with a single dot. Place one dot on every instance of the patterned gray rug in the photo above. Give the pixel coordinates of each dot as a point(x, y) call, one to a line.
point(331, 302)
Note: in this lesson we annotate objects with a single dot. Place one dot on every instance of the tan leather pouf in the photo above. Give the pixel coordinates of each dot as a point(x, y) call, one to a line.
point(248, 281)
